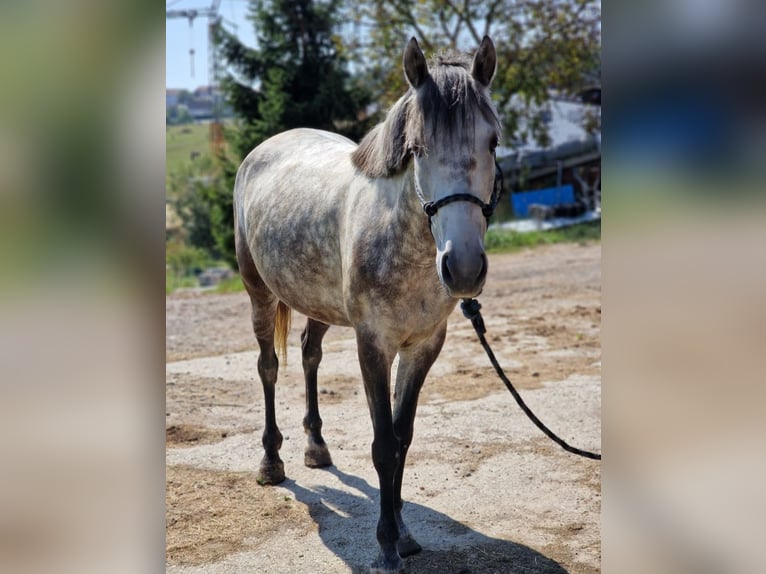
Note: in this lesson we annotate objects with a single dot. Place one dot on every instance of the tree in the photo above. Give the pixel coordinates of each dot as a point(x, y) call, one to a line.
point(297, 76)
point(193, 190)
point(202, 198)
point(542, 45)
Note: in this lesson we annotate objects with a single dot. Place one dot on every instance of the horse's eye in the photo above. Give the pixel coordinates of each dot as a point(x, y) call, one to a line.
point(493, 143)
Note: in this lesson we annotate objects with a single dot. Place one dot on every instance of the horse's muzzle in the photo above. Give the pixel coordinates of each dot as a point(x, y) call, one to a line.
point(463, 276)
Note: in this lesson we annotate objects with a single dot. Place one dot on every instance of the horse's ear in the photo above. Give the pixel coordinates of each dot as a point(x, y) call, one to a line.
point(484, 62)
point(414, 62)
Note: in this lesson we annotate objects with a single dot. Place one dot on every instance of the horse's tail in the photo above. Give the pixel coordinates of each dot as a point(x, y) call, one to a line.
point(281, 328)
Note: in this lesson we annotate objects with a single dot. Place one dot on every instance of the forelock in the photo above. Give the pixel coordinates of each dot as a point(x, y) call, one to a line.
point(448, 104)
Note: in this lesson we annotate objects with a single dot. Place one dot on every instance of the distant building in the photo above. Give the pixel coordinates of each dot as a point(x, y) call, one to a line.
point(172, 97)
point(200, 103)
point(572, 157)
point(207, 93)
point(200, 109)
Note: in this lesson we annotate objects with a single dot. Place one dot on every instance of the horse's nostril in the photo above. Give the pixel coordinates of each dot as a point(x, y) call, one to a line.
point(466, 279)
point(483, 270)
point(446, 275)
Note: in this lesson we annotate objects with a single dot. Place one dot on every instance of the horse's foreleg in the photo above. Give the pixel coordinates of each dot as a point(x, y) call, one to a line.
point(375, 363)
point(414, 364)
point(316, 453)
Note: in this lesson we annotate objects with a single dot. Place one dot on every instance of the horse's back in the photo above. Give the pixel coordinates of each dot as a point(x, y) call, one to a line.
point(301, 150)
point(307, 141)
point(290, 198)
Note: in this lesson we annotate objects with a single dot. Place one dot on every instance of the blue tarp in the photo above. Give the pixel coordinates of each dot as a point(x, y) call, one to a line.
point(549, 196)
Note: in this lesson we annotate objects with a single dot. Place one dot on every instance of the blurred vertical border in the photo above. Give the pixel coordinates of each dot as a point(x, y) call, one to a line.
point(81, 286)
point(684, 286)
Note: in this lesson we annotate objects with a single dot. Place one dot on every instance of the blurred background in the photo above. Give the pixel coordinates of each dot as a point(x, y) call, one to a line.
point(684, 273)
point(99, 196)
point(81, 254)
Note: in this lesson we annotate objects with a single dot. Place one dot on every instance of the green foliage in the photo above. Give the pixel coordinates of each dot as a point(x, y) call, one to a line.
point(297, 77)
point(182, 265)
point(503, 241)
point(181, 144)
point(186, 261)
point(204, 205)
point(173, 281)
point(230, 285)
point(178, 114)
point(542, 45)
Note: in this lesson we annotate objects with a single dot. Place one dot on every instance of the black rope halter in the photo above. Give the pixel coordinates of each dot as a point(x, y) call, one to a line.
point(431, 207)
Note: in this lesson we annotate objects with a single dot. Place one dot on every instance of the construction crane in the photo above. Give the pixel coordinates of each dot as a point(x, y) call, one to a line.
point(214, 20)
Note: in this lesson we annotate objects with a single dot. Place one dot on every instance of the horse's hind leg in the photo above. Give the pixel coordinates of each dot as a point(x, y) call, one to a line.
point(414, 364)
point(264, 310)
point(316, 454)
point(272, 469)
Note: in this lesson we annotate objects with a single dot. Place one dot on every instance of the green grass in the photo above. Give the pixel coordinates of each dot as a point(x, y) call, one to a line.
point(182, 264)
point(231, 285)
point(181, 141)
point(174, 281)
point(507, 241)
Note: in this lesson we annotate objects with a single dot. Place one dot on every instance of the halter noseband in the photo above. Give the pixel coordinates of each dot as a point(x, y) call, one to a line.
point(487, 209)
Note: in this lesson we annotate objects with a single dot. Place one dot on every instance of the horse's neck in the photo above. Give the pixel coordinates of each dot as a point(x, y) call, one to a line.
point(408, 195)
point(411, 219)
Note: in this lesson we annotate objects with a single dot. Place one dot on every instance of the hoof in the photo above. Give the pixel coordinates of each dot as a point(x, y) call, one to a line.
point(381, 566)
point(317, 456)
point(408, 546)
point(271, 472)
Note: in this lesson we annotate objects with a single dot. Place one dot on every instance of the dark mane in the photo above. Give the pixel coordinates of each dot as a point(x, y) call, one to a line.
point(444, 107)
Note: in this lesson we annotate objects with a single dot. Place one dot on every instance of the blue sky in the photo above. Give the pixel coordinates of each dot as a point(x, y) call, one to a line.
point(179, 38)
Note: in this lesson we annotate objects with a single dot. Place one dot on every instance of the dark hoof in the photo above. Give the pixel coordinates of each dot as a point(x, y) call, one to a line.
point(408, 546)
point(390, 566)
point(271, 472)
point(317, 456)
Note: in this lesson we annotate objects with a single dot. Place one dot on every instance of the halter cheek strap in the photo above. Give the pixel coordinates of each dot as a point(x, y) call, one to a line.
point(487, 209)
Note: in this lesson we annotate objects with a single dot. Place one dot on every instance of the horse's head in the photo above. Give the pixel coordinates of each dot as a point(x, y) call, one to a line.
point(452, 131)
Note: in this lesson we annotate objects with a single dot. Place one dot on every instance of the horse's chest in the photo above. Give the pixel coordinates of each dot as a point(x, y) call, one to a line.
point(397, 294)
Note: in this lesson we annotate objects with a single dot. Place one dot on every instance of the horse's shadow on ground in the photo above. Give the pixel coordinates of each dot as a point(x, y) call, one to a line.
point(346, 524)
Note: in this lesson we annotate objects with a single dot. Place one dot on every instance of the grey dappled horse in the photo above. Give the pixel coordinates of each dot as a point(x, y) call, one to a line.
point(338, 232)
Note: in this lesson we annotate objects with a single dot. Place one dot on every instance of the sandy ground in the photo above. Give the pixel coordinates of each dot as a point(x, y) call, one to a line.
point(486, 492)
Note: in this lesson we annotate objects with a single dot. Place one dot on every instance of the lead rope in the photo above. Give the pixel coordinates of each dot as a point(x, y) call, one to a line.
point(470, 309)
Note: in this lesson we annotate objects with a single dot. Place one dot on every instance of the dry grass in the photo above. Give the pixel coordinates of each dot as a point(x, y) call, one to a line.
point(190, 435)
point(212, 514)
